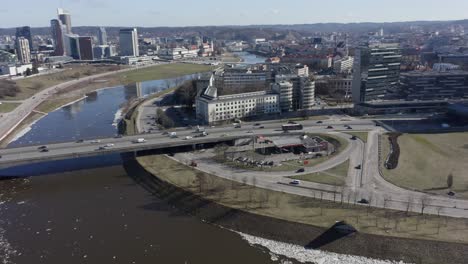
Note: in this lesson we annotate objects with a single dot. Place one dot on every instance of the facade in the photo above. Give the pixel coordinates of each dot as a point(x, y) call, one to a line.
point(285, 91)
point(303, 95)
point(14, 70)
point(129, 42)
point(445, 67)
point(22, 50)
point(102, 36)
point(178, 53)
point(344, 65)
point(334, 83)
point(101, 52)
point(434, 85)
point(72, 46)
point(57, 37)
point(65, 17)
point(7, 57)
point(25, 32)
point(85, 47)
point(238, 78)
point(376, 72)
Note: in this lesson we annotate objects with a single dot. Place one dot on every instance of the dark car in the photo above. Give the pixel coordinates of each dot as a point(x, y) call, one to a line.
point(261, 127)
point(348, 127)
point(0, 156)
point(257, 124)
point(300, 170)
point(353, 138)
point(451, 193)
point(363, 201)
point(42, 147)
point(319, 122)
point(377, 124)
point(358, 167)
point(44, 150)
point(329, 127)
point(80, 141)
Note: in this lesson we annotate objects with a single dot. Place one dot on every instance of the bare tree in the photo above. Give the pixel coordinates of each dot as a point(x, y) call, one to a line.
point(450, 181)
point(438, 219)
point(408, 205)
point(244, 180)
point(425, 200)
point(200, 178)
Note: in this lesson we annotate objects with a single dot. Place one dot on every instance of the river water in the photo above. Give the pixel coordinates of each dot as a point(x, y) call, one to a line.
point(92, 210)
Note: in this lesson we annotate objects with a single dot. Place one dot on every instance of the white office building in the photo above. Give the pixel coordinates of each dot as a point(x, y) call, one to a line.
point(22, 50)
point(344, 65)
point(213, 108)
point(129, 42)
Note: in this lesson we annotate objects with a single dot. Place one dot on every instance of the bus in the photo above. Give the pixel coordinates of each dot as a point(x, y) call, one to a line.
point(289, 127)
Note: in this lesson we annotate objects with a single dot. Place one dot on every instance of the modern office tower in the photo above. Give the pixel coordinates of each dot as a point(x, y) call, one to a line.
point(58, 37)
point(129, 42)
point(376, 72)
point(102, 36)
point(65, 18)
point(85, 46)
point(22, 50)
point(285, 91)
point(25, 32)
point(101, 52)
point(72, 46)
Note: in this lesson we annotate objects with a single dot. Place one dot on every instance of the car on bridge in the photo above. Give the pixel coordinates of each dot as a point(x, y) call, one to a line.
point(295, 182)
point(96, 141)
point(44, 150)
point(42, 147)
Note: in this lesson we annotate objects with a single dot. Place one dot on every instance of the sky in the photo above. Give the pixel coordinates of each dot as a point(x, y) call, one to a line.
point(153, 13)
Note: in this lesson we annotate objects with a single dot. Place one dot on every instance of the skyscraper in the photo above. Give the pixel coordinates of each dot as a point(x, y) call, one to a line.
point(22, 50)
point(57, 36)
point(376, 72)
point(65, 18)
point(85, 48)
point(129, 42)
point(102, 36)
point(25, 32)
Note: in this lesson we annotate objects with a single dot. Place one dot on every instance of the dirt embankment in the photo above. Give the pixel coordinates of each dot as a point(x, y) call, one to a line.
point(373, 246)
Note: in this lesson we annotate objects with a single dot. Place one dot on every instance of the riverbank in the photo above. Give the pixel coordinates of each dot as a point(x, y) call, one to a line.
point(299, 220)
point(79, 90)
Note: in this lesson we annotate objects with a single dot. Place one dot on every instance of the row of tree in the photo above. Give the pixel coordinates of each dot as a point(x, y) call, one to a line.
point(8, 88)
point(163, 119)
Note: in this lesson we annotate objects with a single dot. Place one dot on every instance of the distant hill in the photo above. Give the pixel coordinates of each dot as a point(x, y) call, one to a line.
point(260, 31)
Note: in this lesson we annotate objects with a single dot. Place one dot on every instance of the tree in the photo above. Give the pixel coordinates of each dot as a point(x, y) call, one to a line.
point(28, 72)
point(450, 181)
point(200, 178)
point(425, 200)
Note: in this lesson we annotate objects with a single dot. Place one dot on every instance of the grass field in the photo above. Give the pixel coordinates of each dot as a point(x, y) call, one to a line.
point(305, 210)
point(30, 86)
point(161, 72)
point(8, 107)
point(426, 160)
point(334, 176)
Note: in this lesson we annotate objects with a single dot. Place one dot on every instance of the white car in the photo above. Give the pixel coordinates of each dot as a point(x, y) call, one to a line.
point(109, 145)
point(188, 137)
point(95, 141)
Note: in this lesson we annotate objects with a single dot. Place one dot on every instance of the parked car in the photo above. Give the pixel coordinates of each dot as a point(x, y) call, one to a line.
point(451, 193)
point(363, 201)
point(358, 167)
point(295, 182)
point(300, 170)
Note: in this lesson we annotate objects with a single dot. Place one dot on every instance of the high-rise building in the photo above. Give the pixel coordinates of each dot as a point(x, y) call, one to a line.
point(85, 46)
point(25, 32)
point(102, 36)
point(58, 37)
point(376, 72)
point(129, 42)
point(22, 50)
point(72, 46)
point(65, 18)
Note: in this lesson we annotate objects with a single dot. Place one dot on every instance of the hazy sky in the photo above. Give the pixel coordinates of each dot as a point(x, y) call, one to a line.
point(232, 12)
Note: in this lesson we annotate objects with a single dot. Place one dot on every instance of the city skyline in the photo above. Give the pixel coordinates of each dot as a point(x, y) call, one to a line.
point(177, 13)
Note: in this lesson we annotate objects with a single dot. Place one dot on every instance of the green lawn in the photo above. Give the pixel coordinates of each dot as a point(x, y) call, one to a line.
point(426, 160)
point(162, 72)
point(302, 209)
point(334, 176)
point(8, 107)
